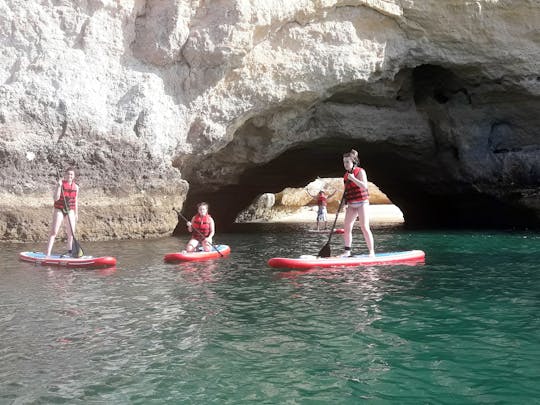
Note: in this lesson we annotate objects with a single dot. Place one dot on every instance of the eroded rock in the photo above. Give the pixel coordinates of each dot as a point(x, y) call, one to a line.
point(236, 98)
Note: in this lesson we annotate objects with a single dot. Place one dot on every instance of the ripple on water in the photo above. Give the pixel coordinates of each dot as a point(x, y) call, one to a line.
point(463, 328)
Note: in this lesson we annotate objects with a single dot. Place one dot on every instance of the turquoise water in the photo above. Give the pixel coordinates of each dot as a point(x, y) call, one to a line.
point(462, 328)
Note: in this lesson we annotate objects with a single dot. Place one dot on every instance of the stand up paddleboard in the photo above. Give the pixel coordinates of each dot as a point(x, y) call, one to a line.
point(309, 261)
point(338, 230)
point(67, 261)
point(199, 255)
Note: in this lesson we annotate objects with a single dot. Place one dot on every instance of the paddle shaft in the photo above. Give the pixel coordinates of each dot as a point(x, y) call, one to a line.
point(66, 207)
point(199, 232)
point(325, 250)
point(335, 219)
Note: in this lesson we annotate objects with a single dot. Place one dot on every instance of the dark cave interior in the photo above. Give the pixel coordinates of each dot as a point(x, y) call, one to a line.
point(418, 179)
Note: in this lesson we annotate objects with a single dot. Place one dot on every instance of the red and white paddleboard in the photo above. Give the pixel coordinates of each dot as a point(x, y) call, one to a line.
point(67, 261)
point(309, 261)
point(222, 251)
point(326, 231)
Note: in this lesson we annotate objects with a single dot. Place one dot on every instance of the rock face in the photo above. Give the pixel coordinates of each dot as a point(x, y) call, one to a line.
point(234, 98)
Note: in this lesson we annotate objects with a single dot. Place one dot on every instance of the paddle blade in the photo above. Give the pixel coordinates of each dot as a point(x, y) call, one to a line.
point(325, 251)
point(76, 250)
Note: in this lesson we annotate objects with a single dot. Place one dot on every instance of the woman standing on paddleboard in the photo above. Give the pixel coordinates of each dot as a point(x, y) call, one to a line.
point(66, 202)
point(202, 229)
point(357, 199)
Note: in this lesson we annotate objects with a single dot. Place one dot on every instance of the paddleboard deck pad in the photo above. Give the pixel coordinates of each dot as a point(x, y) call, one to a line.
point(199, 255)
point(309, 261)
point(67, 261)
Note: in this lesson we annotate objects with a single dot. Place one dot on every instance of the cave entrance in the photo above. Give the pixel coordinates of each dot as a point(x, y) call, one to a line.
point(431, 138)
point(296, 167)
point(300, 204)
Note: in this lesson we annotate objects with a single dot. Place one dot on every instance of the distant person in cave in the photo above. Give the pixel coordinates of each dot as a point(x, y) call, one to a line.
point(322, 202)
point(357, 200)
point(66, 203)
point(202, 228)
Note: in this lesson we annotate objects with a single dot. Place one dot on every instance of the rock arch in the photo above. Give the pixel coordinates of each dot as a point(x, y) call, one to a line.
point(447, 145)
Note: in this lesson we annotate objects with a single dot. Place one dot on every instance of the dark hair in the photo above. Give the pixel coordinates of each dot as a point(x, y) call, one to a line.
point(353, 155)
point(203, 203)
point(69, 169)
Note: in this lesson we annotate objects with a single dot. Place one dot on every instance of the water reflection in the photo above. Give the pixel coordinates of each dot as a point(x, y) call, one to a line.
point(235, 330)
point(198, 272)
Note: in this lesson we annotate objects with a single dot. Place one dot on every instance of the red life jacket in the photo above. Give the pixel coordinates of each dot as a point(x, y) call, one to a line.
point(202, 224)
point(70, 194)
point(321, 200)
point(354, 193)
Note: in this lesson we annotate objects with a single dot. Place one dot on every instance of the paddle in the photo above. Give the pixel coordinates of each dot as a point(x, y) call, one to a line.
point(199, 232)
point(76, 249)
point(325, 251)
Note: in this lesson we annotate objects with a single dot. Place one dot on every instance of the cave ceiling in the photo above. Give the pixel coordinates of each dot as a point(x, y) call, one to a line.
point(446, 146)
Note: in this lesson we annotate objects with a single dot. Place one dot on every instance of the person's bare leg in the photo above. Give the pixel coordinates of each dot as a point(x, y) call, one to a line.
point(69, 229)
point(363, 215)
point(350, 216)
point(55, 226)
point(192, 245)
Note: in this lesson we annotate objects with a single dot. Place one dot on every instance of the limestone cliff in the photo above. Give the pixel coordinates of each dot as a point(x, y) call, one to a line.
point(234, 98)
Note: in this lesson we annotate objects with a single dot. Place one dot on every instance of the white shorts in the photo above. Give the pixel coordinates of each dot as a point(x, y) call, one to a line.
point(321, 213)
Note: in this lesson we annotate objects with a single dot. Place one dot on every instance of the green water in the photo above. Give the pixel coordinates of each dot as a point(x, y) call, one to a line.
point(462, 329)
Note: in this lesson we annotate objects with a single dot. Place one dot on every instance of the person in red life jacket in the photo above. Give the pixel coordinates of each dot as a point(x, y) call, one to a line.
point(322, 202)
point(202, 229)
point(357, 200)
point(66, 202)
